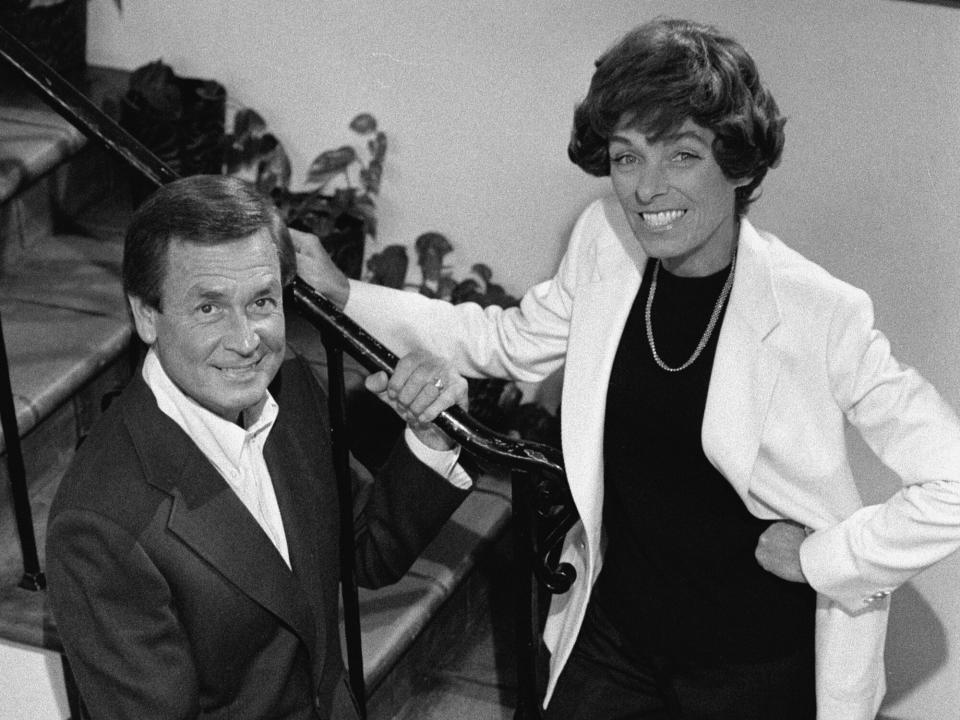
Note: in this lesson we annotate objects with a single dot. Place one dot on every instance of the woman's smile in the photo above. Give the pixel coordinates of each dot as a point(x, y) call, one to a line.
point(662, 219)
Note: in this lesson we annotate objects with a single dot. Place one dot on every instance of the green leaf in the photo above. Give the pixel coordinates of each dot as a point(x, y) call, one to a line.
point(370, 177)
point(274, 169)
point(378, 146)
point(364, 123)
point(331, 162)
point(248, 122)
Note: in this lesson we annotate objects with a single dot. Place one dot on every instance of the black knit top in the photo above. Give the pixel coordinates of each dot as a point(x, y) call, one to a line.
point(680, 578)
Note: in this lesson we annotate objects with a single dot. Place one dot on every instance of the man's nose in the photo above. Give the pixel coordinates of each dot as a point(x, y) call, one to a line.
point(242, 336)
point(651, 183)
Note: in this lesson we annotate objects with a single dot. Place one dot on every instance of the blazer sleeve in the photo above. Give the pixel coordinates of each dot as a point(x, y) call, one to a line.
point(525, 343)
point(914, 432)
point(397, 515)
point(110, 600)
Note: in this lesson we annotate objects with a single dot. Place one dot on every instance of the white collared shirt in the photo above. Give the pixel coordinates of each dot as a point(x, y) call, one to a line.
point(237, 453)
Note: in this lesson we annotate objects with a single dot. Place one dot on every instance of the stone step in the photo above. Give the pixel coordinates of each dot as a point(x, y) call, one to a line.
point(64, 318)
point(429, 627)
point(67, 333)
point(46, 166)
point(47, 450)
point(34, 139)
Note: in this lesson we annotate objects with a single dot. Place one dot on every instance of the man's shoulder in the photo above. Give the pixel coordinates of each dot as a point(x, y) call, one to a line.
point(106, 473)
point(297, 384)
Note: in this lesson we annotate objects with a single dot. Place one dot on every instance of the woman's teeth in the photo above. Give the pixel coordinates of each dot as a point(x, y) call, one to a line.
point(659, 219)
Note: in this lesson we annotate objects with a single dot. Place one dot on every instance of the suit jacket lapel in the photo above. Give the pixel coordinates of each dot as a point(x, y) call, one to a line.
point(209, 518)
point(745, 367)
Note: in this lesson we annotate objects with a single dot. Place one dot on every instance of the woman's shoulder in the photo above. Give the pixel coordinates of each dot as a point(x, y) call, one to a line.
point(794, 273)
point(602, 216)
point(602, 231)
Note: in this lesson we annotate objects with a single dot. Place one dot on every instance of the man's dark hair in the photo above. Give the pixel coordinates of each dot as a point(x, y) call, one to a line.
point(668, 71)
point(201, 209)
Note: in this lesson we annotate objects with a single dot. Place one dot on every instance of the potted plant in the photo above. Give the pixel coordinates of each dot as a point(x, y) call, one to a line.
point(181, 120)
point(338, 204)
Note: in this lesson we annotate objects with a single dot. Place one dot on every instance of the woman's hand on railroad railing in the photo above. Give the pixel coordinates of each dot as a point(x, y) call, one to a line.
point(316, 267)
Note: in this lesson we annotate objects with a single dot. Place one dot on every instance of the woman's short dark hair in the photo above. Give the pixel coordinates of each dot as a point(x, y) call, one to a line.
point(202, 209)
point(668, 71)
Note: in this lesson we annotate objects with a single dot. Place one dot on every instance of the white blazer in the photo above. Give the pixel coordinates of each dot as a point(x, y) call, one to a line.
point(797, 359)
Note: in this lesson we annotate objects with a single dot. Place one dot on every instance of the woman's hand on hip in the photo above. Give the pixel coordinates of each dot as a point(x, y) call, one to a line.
point(778, 550)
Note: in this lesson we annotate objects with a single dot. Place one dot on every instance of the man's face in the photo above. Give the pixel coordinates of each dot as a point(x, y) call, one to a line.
point(220, 335)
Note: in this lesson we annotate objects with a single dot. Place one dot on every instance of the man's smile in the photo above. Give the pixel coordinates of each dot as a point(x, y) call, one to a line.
point(241, 370)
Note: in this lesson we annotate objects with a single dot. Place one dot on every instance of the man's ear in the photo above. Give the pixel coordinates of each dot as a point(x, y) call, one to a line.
point(144, 318)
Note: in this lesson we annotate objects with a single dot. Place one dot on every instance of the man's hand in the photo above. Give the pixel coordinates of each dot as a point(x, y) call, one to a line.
point(315, 266)
point(778, 550)
point(421, 387)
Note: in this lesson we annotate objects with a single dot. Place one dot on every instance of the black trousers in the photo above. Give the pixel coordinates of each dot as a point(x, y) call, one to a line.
point(607, 679)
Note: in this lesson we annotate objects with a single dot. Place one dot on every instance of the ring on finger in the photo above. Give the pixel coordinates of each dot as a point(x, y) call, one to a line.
point(438, 384)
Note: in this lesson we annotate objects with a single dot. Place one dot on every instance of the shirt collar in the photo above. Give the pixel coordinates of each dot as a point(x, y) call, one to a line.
point(220, 440)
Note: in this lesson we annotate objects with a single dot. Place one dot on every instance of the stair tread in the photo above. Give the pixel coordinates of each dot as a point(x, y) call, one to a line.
point(394, 616)
point(474, 677)
point(34, 139)
point(64, 317)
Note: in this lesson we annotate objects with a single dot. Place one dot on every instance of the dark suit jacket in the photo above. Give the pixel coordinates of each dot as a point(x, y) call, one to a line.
point(171, 601)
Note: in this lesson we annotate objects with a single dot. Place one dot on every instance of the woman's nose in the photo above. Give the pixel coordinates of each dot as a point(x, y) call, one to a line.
point(651, 183)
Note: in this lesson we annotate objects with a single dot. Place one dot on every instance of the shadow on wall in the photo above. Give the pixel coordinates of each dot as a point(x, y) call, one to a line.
point(916, 644)
point(942, 3)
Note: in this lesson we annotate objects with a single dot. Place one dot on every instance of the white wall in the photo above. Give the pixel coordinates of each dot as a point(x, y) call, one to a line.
point(476, 96)
point(31, 684)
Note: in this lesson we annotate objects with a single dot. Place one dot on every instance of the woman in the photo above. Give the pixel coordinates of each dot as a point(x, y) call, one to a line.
point(709, 371)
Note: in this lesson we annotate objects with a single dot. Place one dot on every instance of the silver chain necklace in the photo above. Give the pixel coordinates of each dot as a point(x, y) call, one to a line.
point(714, 317)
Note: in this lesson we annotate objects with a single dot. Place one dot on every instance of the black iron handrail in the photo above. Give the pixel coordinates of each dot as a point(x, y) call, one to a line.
point(541, 499)
point(455, 422)
point(33, 577)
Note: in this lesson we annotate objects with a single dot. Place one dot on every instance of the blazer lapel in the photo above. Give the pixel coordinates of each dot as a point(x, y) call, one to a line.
point(745, 367)
point(296, 491)
point(600, 313)
point(210, 519)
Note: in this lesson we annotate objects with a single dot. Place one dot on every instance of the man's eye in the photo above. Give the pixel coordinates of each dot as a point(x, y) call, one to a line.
point(265, 304)
point(207, 309)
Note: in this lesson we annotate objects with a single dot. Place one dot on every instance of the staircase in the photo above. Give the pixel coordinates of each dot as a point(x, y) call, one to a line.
point(437, 644)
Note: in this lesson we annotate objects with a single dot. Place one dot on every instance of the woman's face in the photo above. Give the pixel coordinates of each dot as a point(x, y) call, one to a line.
point(678, 202)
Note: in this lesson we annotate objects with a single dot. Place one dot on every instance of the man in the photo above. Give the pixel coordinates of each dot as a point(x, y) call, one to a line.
point(193, 544)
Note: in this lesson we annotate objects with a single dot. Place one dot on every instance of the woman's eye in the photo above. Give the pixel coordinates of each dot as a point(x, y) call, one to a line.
point(624, 159)
point(684, 156)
